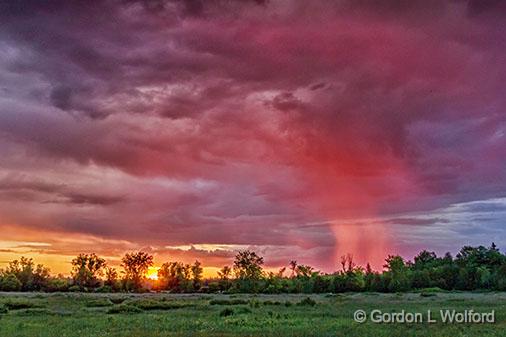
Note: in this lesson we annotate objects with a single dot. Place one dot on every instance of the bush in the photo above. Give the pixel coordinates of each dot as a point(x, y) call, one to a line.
point(228, 302)
point(307, 301)
point(432, 290)
point(99, 302)
point(243, 310)
point(117, 300)
point(10, 283)
point(124, 309)
point(159, 305)
point(56, 284)
point(35, 312)
point(226, 312)
point(76, 289)
point(3, 309)
point(104, 289)
point(14, 305)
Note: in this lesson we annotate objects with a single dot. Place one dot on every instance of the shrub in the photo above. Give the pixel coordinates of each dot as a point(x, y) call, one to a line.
point(243, 310)
point(432, 290)
point(228, 302)
point(99, 302)
point(117, 300)
point(226, 312)
point(76, 289)
point(14, 305)
point(10, 283)
point(3, 309)
point(104, 289)
point(56, 284)
point(124, 309)
point(159, 305)
point(307, 301)
point(35, 312)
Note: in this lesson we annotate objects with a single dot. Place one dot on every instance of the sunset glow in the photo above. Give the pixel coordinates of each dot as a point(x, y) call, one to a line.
point(302, 130)
point(152, 273)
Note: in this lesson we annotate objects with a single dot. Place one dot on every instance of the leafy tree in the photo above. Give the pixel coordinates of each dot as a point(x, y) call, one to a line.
point(248, 271)
point(176, 276)
point(424, 260)
point(87, 270)
point(293, 267)
point(421, 279)
point(476, 266)
point(321, 283)
point(473, 268)
point(369, 278)
point(397, 271)
point(197, 272)
point(225, 273)
point(248, 265)
point(304, 270)
point(31, 277)
point(136, 265)
point(111, 278)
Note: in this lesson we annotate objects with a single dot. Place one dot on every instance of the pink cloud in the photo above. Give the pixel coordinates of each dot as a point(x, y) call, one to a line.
point(265, 123)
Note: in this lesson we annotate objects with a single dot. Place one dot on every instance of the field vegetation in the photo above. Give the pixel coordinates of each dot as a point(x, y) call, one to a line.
point(152, 315)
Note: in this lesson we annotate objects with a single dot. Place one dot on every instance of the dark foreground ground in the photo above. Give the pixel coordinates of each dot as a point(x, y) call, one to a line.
point(152, 315)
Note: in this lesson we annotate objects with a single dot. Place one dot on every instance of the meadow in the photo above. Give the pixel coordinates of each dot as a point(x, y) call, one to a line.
point(163, 314)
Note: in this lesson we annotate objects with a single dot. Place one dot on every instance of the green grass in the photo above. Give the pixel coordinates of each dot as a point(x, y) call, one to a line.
point(156, 315)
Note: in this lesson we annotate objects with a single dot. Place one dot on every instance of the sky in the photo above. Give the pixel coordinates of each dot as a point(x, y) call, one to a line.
point(303, 130)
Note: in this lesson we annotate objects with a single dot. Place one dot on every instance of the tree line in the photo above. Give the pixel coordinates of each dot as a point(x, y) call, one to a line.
point(473, 268)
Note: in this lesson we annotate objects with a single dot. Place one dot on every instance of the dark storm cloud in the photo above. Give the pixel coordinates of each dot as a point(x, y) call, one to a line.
point(477, 7)
point(45, 192)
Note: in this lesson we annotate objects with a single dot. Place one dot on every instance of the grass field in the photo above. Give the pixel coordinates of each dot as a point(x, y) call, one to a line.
point(151, 315)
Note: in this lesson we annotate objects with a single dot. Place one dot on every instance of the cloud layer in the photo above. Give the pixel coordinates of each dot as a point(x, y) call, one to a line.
point(306, 129)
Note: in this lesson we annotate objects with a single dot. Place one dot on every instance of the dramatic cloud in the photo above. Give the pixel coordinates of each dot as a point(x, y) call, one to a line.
point(303, 129)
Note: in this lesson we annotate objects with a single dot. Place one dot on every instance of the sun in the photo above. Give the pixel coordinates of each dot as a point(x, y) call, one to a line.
point(152, 273)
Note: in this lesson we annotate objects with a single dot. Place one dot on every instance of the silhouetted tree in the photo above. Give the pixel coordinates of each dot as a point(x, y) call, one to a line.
point(248, 271)
point(248, 265)
point(304, 270)
point(176, 276)
point(31, 277)
point(197, 272)
point(86, 270)
point(111, 278)
point(347, 263)
point(136, 265)
point(293, 267)
point(472, 268)
point(225, 273)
